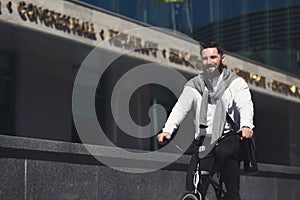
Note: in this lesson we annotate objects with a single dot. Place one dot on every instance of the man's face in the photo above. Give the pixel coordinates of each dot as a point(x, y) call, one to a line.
point(212, 60)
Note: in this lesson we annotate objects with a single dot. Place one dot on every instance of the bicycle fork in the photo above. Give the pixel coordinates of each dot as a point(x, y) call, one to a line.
point(196, 180)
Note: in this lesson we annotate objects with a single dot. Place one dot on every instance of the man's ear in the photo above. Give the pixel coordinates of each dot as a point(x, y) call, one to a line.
point(223, 58)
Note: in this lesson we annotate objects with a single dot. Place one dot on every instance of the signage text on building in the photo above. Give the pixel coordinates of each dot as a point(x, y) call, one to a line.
point(274, 85)
point(50, 18)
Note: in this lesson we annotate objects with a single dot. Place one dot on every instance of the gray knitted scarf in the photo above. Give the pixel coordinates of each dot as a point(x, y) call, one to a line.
point(199, 82)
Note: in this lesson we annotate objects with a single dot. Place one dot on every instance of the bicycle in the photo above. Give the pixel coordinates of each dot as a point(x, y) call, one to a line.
point(218, 192)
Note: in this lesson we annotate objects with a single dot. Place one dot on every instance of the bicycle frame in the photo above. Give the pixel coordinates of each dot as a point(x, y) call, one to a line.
point(218, 187)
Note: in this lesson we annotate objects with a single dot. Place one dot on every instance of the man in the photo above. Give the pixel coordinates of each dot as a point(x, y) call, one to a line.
point(211, 94)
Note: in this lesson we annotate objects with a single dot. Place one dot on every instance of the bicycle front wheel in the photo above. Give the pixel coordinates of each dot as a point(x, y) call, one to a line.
point(190, 196)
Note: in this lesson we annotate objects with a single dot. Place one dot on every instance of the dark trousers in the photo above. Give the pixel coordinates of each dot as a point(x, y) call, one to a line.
point(225, 158)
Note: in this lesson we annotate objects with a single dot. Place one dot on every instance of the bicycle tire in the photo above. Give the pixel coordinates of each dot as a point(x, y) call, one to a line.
point(190, 196)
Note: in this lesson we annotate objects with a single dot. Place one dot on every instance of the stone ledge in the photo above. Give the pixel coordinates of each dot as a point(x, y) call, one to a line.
point(23, 147)
point(35, 146)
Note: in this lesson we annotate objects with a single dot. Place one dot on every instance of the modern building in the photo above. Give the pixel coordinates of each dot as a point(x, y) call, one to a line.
point(56, 54)
point(263, 33)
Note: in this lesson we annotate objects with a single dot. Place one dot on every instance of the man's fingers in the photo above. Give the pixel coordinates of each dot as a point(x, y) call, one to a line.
point(246, 132)
point(161, 138)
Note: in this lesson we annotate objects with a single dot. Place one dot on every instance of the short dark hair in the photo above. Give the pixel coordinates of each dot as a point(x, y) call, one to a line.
point(205, 45)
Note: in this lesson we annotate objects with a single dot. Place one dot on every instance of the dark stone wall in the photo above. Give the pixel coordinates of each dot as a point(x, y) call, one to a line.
point(34, 169)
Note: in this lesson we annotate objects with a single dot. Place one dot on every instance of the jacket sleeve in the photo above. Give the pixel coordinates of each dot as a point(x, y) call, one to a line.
point(242, 98)
point(180, 110)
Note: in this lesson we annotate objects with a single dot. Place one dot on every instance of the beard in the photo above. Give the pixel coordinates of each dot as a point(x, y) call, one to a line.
point(215, 73)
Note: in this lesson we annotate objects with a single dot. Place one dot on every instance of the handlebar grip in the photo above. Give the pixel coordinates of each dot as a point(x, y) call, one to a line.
point(165, 140)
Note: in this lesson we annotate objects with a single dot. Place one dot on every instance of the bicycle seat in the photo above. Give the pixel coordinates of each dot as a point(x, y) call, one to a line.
point(204, 173)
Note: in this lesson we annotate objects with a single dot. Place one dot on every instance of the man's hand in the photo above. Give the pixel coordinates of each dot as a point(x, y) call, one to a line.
point(246, 132)
point(161, 138)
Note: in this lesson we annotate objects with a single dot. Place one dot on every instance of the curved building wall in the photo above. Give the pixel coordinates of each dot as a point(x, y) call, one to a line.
point(41, 56)
point(41, 154)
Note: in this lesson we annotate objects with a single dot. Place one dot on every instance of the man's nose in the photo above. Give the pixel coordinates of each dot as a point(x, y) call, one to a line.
point(209, 61)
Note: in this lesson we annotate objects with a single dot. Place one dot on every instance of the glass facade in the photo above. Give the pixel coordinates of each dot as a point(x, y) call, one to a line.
point(263, 31)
